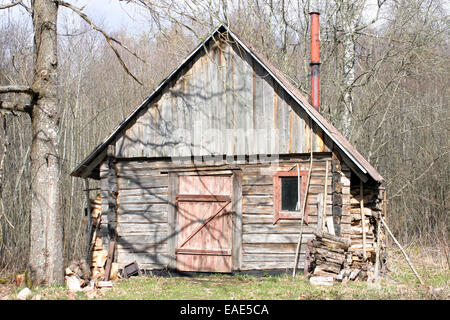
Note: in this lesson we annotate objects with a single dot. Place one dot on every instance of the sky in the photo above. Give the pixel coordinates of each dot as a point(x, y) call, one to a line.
point(112, 15)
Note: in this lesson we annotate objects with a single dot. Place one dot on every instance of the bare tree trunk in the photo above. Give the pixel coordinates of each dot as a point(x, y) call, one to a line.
point(46, 249)
point(348, 18)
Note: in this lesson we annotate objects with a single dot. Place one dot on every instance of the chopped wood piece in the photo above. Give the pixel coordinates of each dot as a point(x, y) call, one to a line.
point(73, 283)
point(321, 281)
point(24, 294)
point(354, 274)
point(114, 271)
point(69, 271)
point(330, 225)
point(99, 258)
point(104, 284)
point(329, 267)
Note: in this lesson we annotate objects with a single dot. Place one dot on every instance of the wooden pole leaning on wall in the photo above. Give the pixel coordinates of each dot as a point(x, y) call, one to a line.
point(325, 192)
point(403, 251)
point(363, 220)
point(299, 242)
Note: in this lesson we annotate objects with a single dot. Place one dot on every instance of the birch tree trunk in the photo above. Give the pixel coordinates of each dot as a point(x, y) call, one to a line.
point(46, 248)
point(348, 17)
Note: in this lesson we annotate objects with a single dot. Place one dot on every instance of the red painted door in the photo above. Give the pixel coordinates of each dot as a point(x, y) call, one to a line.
point(204, 221)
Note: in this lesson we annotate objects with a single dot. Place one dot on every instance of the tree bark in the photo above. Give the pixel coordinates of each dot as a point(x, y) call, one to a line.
point(349, 21)
point(46, 247)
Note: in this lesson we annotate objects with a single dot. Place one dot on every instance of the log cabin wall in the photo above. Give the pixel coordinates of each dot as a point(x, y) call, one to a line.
point(266, 245)
point(142, 215)
point(145, 230)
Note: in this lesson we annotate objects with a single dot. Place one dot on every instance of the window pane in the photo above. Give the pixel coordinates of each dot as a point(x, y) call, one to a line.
point(289, 193)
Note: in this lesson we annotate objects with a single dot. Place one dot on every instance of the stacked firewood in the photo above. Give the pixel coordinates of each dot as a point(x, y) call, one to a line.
point(357, 233)
point(332, 258)
point(371, 209)
point(99, 255)
point(80, 276)
point(327, 255)
point(330, 253)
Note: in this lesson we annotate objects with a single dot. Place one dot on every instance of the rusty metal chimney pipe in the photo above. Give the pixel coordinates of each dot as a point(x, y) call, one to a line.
point(315, 59)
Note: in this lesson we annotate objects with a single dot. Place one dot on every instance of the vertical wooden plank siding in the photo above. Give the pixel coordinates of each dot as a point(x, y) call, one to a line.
point(205, 224)
point(220, 90)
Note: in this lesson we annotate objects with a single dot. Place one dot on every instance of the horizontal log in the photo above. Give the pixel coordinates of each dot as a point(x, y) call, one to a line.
point(259, 209)
point(202, 198)
point(143, 191)
point(145, 266)
point(257, 180)
point(274, 257)
point(268, 218)
point(142, 258)
point(142, 217)
point(355, 230)
point(267, 265)
point(328, 267)
point(274, 238)
point(125, 208)
point(257, 190)
point(267, 248)
point(257, 200)
point(143, 239)
point(144, 248)
point(322, 254)
point(332, 240)
point(311, 209)
point(133, 182)
point(142, 199)
point(140, 228)
point(276, 228)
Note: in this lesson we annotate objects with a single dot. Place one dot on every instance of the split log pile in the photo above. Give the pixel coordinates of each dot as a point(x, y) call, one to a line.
point(372, 210)
point(328, 255)
point(333, 259)
point(80, 276)
point(99, 254)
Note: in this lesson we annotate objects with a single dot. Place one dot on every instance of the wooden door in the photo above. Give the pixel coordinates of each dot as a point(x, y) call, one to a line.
point(204, 221)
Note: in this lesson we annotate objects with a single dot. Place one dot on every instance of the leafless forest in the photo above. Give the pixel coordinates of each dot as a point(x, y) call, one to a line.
point(384, 80)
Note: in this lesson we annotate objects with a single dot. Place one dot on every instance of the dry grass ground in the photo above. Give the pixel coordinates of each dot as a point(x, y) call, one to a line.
point(399, 284)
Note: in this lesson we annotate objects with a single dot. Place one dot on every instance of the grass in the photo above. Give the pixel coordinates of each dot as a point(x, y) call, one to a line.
point(400, 284)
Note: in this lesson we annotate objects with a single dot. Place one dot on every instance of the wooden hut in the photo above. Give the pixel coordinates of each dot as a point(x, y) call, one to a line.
point(205, 174)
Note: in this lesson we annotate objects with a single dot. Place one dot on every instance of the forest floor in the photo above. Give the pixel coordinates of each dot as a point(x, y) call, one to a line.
point(399, 284)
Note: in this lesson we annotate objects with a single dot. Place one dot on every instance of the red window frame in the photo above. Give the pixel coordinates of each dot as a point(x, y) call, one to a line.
point(277, 212)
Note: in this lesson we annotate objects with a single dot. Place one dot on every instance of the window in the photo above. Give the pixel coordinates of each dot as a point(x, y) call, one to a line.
point(285, 188)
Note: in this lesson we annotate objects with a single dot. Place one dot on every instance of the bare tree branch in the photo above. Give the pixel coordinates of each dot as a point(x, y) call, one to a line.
point(13, 107)
point(108, 38)
point(15, 3)
point(12, 4)
point(17, 89)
